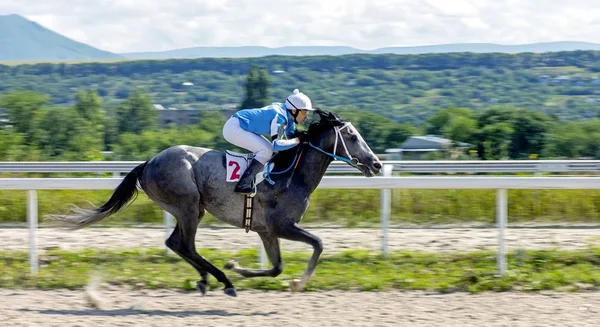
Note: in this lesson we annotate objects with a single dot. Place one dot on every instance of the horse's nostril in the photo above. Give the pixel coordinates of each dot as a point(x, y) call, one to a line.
point(377, 165)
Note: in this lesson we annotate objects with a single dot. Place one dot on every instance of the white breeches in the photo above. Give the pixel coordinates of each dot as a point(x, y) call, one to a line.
point(258, 144)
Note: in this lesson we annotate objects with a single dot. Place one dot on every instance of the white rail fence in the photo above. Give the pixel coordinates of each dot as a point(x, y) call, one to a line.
point(460, 166)
point(385, 183)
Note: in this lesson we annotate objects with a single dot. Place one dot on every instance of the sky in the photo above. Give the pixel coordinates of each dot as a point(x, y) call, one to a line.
point(157, 25)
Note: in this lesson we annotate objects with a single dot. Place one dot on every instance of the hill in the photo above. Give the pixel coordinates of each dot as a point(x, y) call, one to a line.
point(401, 87)
point(258, 51)
point(22, 39)
point(243, 52)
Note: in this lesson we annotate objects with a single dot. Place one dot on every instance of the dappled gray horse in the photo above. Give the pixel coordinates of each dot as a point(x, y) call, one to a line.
point(186, 181)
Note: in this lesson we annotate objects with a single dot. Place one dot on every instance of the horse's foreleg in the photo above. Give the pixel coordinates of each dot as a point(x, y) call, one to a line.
point(293, 232)
point(271, 244)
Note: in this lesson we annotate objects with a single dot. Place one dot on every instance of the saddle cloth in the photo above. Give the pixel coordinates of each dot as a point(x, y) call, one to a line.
point(237, 163)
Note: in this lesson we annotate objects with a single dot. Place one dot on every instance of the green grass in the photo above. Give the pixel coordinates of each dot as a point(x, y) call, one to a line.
point(351, 270)
point(352, 208)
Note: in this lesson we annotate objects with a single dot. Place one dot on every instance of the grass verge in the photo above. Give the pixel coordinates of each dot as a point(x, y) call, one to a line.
point(351, 270)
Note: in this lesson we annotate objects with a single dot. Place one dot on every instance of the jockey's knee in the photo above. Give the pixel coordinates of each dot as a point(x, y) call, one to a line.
point(264, 155)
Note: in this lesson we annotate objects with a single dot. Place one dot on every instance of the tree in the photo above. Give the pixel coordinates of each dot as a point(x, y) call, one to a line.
point(494, 140)
point(257, 89)
point(12, 146)
point(57, 129)
point(435, 124)
point(398, 133)
point(530, 133)
point(572, 140)
point(566, 140)
point(460, 128)
point(93, 118)
point(136, 114)
point(24, 109)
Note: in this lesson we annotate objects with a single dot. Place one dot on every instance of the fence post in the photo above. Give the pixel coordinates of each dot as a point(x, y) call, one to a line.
point(386, 209)
point(32, 224)
point(168, 220)
point(501, 218)
point(263, 255)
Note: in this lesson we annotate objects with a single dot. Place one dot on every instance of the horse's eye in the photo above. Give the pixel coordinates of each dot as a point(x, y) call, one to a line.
point(354, 138)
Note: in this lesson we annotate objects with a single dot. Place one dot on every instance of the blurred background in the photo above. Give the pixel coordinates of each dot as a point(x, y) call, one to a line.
point(436, 88)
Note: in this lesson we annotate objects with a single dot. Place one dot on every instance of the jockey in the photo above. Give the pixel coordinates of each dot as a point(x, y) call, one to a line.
point(247, 127)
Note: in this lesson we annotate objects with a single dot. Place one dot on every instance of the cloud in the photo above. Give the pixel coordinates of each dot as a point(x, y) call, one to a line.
point(139, 25)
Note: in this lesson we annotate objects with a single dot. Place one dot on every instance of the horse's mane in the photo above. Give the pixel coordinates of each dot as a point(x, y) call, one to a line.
point(320, 122)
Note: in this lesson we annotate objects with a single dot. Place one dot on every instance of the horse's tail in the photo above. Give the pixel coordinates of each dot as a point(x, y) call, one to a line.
point(81, 218)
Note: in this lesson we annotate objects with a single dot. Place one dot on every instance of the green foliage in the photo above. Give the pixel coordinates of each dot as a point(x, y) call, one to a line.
point(378, 131)
point(257, 89)
point(12, 146)
point(505, 106)
point(352, 208)
point(24, 109)
point(574, 140)
point(136, 114)
point(406, 88)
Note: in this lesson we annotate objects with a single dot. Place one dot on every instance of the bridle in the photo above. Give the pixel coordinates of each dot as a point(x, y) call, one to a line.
point(338, 136)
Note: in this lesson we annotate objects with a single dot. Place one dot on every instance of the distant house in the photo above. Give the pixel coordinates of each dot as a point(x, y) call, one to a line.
point(188, 116)
point(416, 147)
point(563, 79)
point(174, 116)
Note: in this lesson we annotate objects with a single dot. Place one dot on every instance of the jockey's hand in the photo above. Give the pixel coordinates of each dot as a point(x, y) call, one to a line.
point(302, 136)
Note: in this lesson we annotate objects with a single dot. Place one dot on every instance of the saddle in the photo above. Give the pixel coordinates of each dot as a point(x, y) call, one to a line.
point(237, 163)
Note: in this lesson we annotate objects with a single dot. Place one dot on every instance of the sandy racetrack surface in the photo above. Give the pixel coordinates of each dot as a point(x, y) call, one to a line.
point(251, 308)
point(334, 239)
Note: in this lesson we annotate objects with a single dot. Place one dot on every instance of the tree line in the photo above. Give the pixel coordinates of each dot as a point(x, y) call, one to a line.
point(90, 129)
point(404, 88)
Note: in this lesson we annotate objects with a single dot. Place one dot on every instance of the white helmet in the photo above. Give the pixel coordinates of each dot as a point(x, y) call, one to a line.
point(298, 100)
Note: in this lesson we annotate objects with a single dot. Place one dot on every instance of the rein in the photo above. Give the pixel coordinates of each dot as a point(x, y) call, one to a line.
point(338, 135)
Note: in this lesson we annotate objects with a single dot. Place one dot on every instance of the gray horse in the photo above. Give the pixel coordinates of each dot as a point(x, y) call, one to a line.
point(186, 181)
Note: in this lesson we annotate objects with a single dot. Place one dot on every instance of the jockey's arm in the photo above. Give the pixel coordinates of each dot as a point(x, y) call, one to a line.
point(280, 144)
point(279, 135)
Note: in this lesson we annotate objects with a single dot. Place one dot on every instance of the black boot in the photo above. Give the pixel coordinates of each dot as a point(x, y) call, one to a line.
point(244, 185)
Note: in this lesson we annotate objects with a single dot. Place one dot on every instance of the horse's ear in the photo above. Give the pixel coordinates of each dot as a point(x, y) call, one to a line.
point(321, 113)
point(333, 118)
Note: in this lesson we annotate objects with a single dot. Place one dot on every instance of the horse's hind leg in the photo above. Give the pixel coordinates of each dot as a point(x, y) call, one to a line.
point(271, 244)
point(182, 242)
point(293, 232)
point(172, 243)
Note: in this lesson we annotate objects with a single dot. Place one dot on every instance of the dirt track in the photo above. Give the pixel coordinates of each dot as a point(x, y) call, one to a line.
point(334, 239)
point(251, 308)
point(125, 307)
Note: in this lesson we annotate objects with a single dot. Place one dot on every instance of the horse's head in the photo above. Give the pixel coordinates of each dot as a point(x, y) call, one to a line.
point(332, 134)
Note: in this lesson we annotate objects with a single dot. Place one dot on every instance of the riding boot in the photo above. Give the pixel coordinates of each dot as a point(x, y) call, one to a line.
point(244, 185)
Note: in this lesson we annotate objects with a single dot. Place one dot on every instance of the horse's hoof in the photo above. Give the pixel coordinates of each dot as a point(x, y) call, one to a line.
point(230, 264)
point(296, 285)
point(201, 286)
point(230, 291)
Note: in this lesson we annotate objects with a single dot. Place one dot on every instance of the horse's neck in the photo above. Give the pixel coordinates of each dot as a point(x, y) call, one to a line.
point(312, 168)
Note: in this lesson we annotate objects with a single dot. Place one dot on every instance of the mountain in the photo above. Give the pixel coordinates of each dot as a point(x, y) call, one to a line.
point(243, 51)
point(258, 51)
point(22, 39)
point(491, 47)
